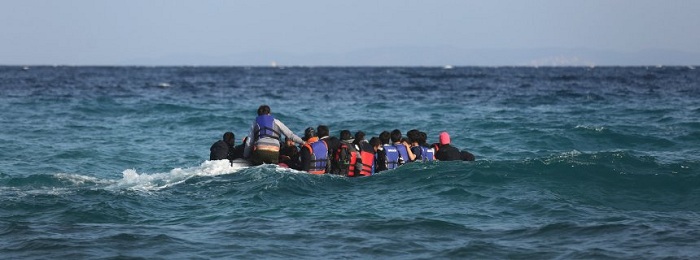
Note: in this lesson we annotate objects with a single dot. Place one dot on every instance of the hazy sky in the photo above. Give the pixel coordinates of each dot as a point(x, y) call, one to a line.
point(96, 32)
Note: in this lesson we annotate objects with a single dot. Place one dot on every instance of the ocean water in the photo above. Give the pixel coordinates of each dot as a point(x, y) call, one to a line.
point(111, 162)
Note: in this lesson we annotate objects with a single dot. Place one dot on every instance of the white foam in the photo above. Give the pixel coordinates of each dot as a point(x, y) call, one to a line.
point(80, 179)
point(589, 127)
point(132, 180)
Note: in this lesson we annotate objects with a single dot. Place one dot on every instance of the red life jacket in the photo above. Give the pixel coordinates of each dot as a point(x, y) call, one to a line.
point(367, 163)
point(347, 159)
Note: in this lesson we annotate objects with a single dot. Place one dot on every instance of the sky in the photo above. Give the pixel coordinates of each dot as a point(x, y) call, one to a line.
point(358, 32)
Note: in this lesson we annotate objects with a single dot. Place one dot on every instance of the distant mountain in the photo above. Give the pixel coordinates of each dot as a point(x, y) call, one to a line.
point(439, 56)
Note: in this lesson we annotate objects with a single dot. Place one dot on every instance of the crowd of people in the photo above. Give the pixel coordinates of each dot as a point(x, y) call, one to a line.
point(319, 153)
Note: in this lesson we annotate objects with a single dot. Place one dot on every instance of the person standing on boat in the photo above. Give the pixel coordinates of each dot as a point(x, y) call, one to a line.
point(263, 145)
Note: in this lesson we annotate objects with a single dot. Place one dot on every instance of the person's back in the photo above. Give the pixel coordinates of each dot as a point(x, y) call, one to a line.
point(314, 157)
point(346, 156)
point(332, 142)
point(375, 146)
point(365, 165)
point(405, 154)
point(427, 151)
point(467, 156)
point(263, 143)
point(414, 141)
point(223, 149)
point(385, 160)
point(447, 152)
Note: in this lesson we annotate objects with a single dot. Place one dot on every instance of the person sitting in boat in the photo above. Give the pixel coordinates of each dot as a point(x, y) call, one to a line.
point(383, 160)
point(364, 166)
point(447, 152)
point(414, 142)
point(223, 149)
point(376, 147)
point(263, 144)
point(314, 156)
point(332, 142)
point(405, 154)
point(310, 135)
point(428, 152)
point(289, 155)
point(419, 146)
point(467, 156)
point(344, 159)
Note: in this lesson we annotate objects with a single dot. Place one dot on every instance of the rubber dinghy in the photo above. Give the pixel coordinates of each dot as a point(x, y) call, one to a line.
point(240, 163)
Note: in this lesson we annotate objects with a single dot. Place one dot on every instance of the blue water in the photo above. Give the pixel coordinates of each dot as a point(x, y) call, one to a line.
point(111, 162)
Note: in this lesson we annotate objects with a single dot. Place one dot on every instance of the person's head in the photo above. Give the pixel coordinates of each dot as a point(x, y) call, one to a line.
point(229, 138)
point(375, 143)
point(345, 135)
point(264, 110)
point(288, 141)
point(423, 138)
point(396, 136)
point(444, 138)
point(322, 131)
point(385, 137)
point(308, 133)
point(359, 136)
point(413, 136)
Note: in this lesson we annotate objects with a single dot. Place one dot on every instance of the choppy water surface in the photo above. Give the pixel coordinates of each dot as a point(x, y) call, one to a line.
point(102, 162)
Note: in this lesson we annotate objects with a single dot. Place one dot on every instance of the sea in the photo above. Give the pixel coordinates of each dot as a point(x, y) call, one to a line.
point(571, 163)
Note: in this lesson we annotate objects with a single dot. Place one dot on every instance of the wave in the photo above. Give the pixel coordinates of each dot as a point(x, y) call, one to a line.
point(574, 173)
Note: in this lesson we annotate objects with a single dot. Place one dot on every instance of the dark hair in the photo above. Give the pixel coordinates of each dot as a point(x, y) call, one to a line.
point(229, 136)
point(384, 137)
point(345, 135)
point(308, 133)
point(423, 138)
point(359, 135)
point(322, 131)
point(264, 110)
point(413, 136)
point(374, 141)
point(395, 135)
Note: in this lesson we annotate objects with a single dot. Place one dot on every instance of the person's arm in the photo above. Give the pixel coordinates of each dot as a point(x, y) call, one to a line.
point(417, 151)
point(411, 155)
point(248, 143)
point(286, 132)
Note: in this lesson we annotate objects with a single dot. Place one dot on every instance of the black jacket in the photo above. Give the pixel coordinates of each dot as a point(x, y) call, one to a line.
point(448, 153)
point(220, 150)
